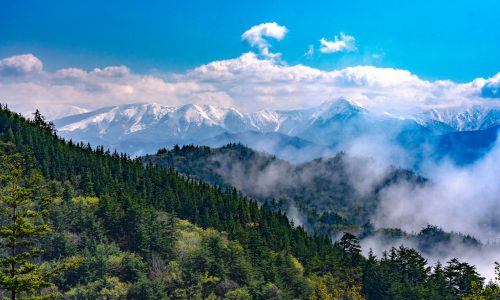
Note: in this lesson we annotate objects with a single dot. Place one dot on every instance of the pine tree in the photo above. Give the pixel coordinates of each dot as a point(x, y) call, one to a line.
point(39, 121)
point(87, 184)
point(23, 208)
point(350, 243)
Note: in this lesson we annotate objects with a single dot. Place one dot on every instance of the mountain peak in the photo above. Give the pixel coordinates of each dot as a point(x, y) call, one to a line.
point(332, 108)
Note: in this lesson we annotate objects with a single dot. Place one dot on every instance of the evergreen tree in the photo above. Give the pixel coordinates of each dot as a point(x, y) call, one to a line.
point(461, 276)
point(350, 243)
point(23, 208)
point(39, 121)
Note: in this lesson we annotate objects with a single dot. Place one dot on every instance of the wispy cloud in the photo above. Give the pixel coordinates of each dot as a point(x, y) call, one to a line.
point(310, 51)
point(344, 43)
point(256, 36)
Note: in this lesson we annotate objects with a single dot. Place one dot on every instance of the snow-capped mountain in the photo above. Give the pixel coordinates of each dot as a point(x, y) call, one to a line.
point(150, 125)
point(461, 119)
point(153, 123)
point(143, 128)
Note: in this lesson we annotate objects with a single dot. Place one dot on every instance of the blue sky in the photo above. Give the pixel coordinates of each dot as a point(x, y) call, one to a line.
point(457, 40)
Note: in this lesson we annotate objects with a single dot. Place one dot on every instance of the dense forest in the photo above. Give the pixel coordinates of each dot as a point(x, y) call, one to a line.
point(142, 232)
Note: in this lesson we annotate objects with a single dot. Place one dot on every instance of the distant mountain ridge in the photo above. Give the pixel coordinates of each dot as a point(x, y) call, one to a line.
point(333, 126)
point(152, 125)
point(471, 118)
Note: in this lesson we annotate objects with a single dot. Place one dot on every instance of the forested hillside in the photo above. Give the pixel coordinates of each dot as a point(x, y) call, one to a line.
point(151, 233)
point(326, 195)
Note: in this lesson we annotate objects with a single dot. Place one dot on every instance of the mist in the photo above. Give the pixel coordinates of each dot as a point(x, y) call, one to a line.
point(460, 199)
point(483, 257)
point(463, 199)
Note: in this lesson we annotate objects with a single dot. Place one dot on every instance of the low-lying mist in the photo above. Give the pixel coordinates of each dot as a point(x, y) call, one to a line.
point(462, 199)
point(457, 198)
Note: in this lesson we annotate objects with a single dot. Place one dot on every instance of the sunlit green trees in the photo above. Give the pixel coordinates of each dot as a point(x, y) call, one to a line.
point(23, 208)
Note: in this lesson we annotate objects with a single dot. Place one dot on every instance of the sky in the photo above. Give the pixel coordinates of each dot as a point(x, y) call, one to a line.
point(424, 42)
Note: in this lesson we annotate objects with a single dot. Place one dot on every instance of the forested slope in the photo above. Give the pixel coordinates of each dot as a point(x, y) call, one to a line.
point(328, 195)
point(151, 233)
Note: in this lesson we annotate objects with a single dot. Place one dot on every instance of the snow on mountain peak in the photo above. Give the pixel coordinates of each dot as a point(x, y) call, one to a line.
point(154, 124)
point(468, 118)
point(329, 109)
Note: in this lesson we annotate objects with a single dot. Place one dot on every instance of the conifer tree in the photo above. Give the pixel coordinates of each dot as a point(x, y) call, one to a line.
point(350, 243)
point(23, 208)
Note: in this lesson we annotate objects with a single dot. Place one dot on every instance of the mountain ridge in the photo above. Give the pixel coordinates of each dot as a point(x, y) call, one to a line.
point(336, 125)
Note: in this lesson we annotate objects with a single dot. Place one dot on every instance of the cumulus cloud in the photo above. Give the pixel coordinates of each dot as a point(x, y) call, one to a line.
point(344, 43)
point(115, 71)
point(256, 37)
point(20, 65)
point(259, 83)
point(54, 92)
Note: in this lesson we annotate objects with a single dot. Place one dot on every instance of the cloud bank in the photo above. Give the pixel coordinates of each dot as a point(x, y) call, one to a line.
point(459, 199)
point(247, 83)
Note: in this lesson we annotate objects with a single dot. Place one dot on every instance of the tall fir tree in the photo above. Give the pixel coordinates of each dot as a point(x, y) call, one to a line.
point(23, 207)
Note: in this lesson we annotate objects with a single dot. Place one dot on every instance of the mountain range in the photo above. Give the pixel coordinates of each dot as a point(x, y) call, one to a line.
point(297, 135)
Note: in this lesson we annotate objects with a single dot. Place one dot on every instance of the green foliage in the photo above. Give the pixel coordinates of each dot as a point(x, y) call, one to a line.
point(23, 208)
point(110, 288)
point(461, 276)
point(329, 287)
point(87, 201)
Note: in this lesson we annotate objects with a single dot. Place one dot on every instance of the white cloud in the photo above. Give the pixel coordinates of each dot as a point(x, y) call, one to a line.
point(370, 76)
point(114, 71)
point(491, 87)
point(256, 36)
point(20, 65)
point(345, 43)
point(247, 83)
point(460, 199)
point(310, 51)
point(70, 73)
